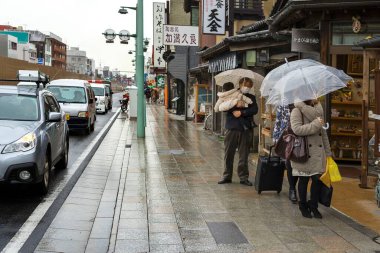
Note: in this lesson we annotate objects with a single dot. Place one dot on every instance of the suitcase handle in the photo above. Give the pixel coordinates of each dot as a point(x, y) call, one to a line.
point(270, 153)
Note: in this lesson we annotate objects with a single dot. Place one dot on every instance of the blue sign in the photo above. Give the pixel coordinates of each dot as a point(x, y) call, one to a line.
point(41, 61)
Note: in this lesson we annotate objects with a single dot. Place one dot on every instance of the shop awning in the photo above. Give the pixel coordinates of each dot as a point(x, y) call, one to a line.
point(199, 68)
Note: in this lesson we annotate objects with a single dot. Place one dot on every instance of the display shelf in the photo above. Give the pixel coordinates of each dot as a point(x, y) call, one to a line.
point(335, 102)
point(346, 118)
point(347, 159)
point(345, 134)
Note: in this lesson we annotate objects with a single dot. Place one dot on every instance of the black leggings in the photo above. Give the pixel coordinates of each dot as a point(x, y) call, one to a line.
point(291, 179)
point(314, 190)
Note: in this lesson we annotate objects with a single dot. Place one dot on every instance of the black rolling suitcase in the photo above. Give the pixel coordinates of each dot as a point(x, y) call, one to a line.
point(269, 173)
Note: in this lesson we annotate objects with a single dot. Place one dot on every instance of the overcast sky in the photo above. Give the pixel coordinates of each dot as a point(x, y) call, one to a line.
point(80, 23)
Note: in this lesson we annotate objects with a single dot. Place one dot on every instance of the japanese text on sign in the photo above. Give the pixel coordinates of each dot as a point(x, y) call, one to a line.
point(181, 35)
point(158, 34)
point(214, 16)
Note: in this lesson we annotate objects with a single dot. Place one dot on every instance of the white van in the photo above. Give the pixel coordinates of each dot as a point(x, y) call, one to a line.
point(77, 99)
point(100, 91)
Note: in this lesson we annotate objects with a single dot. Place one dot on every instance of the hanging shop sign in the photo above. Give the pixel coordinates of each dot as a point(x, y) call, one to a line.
point(177, 35)
point(223, 63)
point(214, 17)
point(305, 40)
point(158, 34)
point(160, 81)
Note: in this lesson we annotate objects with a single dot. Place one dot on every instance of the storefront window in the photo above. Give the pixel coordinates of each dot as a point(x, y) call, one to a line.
point(343, 33)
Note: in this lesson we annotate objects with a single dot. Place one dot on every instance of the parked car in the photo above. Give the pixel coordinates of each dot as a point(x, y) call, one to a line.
point(101, 98)
point(77, 99)
point(33, 136)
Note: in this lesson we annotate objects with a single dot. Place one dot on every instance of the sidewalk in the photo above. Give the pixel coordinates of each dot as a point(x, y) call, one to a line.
point(159, 194)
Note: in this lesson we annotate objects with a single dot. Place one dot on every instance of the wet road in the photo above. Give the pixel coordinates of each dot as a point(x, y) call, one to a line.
point(17, 203)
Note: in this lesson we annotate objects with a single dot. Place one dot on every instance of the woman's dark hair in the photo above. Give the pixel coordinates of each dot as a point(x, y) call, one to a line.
point(228, 86)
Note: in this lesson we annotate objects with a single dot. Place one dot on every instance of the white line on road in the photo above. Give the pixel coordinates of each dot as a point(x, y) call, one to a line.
point(18, 240)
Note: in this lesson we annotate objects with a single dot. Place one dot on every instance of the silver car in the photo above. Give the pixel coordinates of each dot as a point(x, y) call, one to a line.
point(33, 136)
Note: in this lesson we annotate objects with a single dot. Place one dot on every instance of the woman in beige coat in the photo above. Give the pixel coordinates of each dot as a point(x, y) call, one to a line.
point(319, 150)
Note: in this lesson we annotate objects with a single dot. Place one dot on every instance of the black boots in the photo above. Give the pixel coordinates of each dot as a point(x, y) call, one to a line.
point(293, 196)
point(314, 211)
point(304, 208)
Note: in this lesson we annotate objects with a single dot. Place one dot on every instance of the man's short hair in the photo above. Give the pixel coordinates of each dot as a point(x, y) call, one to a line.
point(228, 86)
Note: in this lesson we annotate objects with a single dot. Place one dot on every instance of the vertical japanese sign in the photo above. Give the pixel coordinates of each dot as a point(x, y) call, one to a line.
point(158, 34)
point(214, 16)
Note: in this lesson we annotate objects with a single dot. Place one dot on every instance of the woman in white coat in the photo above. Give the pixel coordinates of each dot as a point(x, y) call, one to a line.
point(306, 119)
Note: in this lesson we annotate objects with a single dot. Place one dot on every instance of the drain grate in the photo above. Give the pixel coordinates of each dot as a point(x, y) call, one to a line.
point(128, 146)
point(226, 233)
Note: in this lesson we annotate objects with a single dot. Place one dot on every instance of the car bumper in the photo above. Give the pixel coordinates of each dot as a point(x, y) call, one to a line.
point(100, 108)
point(13, 163)
point(77, 123)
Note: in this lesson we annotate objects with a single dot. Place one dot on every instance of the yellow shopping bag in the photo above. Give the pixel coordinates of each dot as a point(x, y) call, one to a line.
point(333, 170)
point(325, 178)
point(331, 174)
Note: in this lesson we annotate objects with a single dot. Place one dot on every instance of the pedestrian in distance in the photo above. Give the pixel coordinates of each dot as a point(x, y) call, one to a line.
point(306, 119)
point(239, 134)
point(281, 123)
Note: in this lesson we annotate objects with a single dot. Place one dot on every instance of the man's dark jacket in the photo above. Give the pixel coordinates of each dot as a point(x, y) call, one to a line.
point(246, 117)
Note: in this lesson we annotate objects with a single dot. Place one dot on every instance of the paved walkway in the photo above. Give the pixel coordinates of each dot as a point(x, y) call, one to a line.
point(159, 194)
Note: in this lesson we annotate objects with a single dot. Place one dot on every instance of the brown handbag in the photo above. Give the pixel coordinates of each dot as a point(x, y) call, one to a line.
point(291, 146)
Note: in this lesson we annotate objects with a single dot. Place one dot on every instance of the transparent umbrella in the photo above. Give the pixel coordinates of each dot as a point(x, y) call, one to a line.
point(306, 84)
point(276, 74)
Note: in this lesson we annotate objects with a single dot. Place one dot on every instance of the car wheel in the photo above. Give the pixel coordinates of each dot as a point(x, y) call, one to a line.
point(62, 164)
point(43, 186)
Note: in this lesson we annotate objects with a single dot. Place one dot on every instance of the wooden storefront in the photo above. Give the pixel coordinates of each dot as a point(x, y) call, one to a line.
point(341, 27)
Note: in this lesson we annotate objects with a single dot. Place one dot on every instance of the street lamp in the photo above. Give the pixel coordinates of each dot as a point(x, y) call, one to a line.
point(139, 64)
point(124, 36)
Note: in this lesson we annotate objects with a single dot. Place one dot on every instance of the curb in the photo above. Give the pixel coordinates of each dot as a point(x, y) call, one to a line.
point(33, 230)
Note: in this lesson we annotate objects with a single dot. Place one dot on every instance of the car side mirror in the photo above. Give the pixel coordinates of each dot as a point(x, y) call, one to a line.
point(91, 100)
point(111, 92)
point(96, 99)
point(54, 117)
point(107, 95)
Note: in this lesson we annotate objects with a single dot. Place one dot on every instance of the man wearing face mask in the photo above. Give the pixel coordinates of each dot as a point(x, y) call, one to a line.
point(239, 126)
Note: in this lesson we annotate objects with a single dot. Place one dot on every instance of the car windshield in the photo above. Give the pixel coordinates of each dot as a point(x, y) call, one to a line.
point(18, 107)
point(98, 91)
point(67, 94)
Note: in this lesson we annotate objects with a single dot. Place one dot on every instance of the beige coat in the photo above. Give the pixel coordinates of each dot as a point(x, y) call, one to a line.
point(228, 100)
point(319, 146)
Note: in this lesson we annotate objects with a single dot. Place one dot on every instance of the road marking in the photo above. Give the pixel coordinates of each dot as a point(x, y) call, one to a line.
point(18, 240)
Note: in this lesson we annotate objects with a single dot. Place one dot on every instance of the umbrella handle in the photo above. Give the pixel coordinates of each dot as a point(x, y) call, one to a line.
point(327, 126)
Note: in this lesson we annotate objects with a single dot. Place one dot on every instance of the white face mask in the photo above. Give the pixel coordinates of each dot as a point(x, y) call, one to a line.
point(245, 89)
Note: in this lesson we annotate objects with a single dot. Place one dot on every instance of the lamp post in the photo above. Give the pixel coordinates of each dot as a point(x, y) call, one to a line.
point(139, 62)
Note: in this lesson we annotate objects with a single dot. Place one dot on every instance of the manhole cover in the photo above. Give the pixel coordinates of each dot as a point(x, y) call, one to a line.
point(226, 233)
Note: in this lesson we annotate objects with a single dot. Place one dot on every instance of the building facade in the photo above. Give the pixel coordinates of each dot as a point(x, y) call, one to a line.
point(8, 46)
point(76, 61)
point(58, 51)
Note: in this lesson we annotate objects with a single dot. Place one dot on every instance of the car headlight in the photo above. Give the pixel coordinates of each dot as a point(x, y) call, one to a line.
point(25, 143)
point(83, 114)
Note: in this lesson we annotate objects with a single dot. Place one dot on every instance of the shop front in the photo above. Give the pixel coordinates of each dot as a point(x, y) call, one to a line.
point(347, 110)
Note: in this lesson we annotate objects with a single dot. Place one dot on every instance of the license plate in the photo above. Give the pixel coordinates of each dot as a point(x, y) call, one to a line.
point(67, 116)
